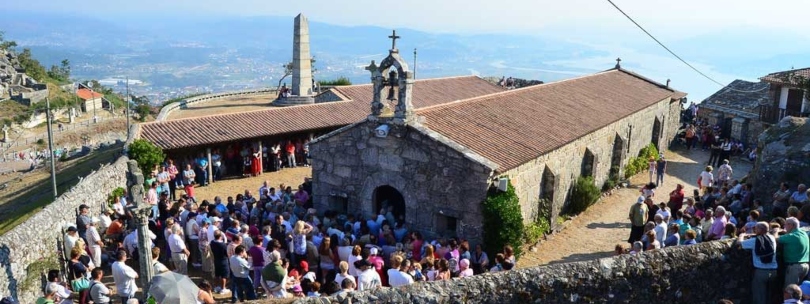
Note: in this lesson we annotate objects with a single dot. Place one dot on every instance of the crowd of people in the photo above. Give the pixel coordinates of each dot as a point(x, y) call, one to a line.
point(273, 244)
point(245, 159)
point(725, 208)
point(710, 139)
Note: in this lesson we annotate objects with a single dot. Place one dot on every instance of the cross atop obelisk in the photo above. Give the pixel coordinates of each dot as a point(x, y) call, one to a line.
point(394, 38)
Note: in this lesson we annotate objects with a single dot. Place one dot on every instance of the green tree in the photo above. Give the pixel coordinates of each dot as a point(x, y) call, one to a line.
point(60, 73)
point(32, 66)
point(146, 154)
point(6, 45)
point(142, 107)
point(503, 221)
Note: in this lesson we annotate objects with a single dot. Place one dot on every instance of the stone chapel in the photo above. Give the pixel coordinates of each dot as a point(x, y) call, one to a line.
point(434, 164)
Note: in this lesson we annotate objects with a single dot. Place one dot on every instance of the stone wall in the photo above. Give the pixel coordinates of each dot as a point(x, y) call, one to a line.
point(552, 175)
point(702, 273)
point(36, 239)
point(745, 126)
point(436, 181)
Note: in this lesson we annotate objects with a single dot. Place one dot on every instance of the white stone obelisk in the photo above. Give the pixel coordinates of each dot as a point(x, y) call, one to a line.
point(302, 60)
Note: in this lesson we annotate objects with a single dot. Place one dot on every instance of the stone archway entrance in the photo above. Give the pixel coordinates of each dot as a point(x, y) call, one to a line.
point(387, 196)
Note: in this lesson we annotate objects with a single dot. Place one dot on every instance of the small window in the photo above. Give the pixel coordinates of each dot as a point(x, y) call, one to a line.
point(446, 225)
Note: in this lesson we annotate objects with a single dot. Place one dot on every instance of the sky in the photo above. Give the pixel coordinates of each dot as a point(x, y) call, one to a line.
point(679, 24)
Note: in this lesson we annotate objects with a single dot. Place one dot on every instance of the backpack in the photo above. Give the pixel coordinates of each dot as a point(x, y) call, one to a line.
point(764, 249)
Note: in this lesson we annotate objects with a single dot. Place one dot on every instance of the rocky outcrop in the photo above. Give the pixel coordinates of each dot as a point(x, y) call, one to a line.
point(784, 156)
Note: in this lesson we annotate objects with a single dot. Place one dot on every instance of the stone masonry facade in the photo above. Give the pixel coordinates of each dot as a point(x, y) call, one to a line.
point(551, 175)
point(38, 238)
point(436, 181)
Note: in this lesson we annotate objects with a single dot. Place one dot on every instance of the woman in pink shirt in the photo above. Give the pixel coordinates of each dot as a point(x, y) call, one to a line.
point(416, 252)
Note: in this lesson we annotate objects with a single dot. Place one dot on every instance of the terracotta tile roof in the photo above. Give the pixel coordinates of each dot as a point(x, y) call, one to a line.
point(786, 77)
point(517, 126)
point(87, 94)
point(214, 129)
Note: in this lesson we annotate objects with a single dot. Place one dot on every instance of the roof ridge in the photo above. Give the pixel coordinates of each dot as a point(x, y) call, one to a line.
point(507, 92)
point(639, 76)
point(788, 71)
point(238, 113)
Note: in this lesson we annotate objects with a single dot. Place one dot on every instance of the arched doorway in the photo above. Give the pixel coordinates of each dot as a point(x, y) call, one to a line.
point(387, 196)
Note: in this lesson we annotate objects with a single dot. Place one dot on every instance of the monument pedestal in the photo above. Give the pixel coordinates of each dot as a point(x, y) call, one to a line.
point(293, 101)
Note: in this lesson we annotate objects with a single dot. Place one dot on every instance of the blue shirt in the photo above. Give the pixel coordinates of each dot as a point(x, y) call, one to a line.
point(202, 161)
point(799, 197)
point(751, 243)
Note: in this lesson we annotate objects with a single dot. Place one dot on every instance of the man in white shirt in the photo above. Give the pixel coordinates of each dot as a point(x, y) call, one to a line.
point(215, 221)
point(660, 229)
point(396, 277)
point(368, 278)
point(71, 237)
point(94, 241)
point(273, 196)
point(179, 251)
point(124, 277)
point(240, 271)
point(192, 233)
point(264, 190)
point(99, 293)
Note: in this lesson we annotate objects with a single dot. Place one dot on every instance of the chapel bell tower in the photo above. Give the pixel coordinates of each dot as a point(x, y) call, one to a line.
point(395, 80)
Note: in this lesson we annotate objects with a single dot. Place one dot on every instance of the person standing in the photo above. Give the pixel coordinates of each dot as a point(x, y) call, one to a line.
point(796, 251)
point(82, 220)
point(290, 149)
point(724, 173)
point(219, 252)
point(714, 149)
point(660, 170)
point(240, 270)
point(173, 179)
point(99, 293)
point(652, 165)
point(94, 241)
point(725, 152)
point(690, 137)
point(763, 253)
point(706, 179)
point(163, 180)
point(124, 277)
point(638, 218)
point(179, 251)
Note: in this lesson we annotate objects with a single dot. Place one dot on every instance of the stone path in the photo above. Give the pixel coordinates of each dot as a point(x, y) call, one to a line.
point(595, 233)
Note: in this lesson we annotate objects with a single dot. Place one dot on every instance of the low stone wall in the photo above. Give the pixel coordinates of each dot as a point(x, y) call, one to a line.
point(700, 273)
point(35, 241)
point(168, 109)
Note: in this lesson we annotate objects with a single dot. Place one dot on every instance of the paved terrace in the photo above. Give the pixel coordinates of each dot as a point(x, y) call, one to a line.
point(235, 104)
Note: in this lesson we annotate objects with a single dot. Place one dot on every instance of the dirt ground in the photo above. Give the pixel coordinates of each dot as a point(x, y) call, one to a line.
point(230, 187)
point(223, 106)
point(595, 233)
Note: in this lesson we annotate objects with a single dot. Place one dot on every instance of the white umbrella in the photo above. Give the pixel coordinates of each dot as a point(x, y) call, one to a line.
point(173, 288)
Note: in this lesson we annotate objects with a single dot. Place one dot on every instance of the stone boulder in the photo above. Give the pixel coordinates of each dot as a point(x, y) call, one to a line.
point(783, 156)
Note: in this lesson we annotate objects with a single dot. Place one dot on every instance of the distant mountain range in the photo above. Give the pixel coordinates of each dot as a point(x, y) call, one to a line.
point(170, 53)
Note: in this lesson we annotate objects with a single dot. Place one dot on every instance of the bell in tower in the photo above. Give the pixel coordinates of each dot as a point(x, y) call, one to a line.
point(399, 83)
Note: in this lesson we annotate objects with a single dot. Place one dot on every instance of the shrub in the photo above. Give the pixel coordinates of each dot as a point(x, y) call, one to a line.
point(503, 222)
point(118, 192)
point(639, 164)
point(534, 231)
point(146, 154)
point(340, 81)
point(584, 194)
point(609, 184)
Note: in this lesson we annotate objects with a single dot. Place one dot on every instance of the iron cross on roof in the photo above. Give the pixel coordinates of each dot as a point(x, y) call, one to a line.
point(394, 38)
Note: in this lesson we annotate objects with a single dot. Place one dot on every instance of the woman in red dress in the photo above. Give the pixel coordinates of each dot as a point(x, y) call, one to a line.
point(255, 165)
